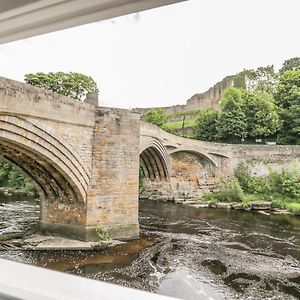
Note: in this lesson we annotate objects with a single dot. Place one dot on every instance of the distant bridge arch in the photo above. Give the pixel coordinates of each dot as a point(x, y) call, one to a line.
point(154, 160)
point(198, 153)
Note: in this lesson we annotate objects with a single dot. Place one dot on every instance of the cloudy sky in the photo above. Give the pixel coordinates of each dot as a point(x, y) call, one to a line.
point(163, 56)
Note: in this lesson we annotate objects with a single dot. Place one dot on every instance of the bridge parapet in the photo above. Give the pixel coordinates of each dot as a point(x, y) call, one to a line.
point(26, 100)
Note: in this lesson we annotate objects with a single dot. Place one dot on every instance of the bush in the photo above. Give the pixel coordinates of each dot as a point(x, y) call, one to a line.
point(293, 207)
point(290, 185)
point(275, 181)
point(258, 185)
point(243, 175)
point(250, 184)
point(286, 183)
point(282, 188)
point(156, 116)
point(102, 234)
point(206, 125)
point(230, 190)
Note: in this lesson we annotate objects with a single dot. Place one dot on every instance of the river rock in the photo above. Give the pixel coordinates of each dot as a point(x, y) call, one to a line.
point(224, 205)
point(40, 242)
point(281, 211)
point(179, 200)
point(200, 205)
point(239, 206)
point(261, 205)
point(167, 198)
point(191, 202)
point(212, 205)
point(262, 212)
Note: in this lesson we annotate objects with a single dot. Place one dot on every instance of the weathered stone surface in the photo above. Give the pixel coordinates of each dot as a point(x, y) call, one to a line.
point(261, 205)
point(200, 205)
point(39, 242)
point(240, 206)
point(179, 200)
point(262, 212)
point(112, 198)
point(279, 211)
point(189, 202)
point(224, 205)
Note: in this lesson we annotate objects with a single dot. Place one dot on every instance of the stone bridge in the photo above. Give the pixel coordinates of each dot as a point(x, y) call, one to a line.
point(177, 167)
point(84, 160)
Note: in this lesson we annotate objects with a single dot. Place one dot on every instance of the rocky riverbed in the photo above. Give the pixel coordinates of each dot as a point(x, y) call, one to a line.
point(186, 252)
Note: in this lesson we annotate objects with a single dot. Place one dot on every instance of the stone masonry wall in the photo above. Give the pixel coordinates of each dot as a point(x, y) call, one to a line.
point(69, 120)
point(112, 202)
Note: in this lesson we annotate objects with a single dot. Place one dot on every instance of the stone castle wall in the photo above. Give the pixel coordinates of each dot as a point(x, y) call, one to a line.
point(208, 99)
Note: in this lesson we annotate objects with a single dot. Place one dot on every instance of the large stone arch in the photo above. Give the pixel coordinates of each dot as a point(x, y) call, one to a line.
point(52, 164)
point(155, 160)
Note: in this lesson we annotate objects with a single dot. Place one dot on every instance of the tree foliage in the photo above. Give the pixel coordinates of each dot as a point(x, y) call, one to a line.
point(261, 113)
point(157, 116)
point(292, 64)
point(74, 85)
point(288, 99)
point(263, 79)
point(232, 120)
point(206, 125)
point(12, 177)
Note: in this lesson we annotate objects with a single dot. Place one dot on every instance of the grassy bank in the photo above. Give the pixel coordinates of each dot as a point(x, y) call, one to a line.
point(281, 190)
point(169, 126)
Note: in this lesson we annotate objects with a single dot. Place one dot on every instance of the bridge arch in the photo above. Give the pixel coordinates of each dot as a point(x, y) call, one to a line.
point(201, 154)
point(53, 165)
point(154, 160)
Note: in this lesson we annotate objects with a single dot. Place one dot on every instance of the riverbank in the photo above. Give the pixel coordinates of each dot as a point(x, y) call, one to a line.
point(256, 203)
point(262, 207)
point(15, 192)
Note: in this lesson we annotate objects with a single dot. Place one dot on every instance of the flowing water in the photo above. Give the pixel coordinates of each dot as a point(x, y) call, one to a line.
point(185, 252)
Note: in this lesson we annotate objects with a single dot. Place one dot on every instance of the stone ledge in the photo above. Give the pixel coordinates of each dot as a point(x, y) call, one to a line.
point(88, 233)
point(43, 243)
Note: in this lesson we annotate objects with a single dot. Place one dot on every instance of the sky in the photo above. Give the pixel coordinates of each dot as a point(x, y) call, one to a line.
point(164, 56)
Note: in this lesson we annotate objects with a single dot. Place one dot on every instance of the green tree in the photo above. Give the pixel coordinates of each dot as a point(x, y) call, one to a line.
point(290, 65)
point(262, 114)
point(12, 177)
point(288, 99)
point(239, 80)
point(206, 125)
point(263, 79)
point(74, 85)
point(156, 116)
point(232, 120)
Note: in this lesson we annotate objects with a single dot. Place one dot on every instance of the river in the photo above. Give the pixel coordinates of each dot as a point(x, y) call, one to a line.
point(185, 252)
